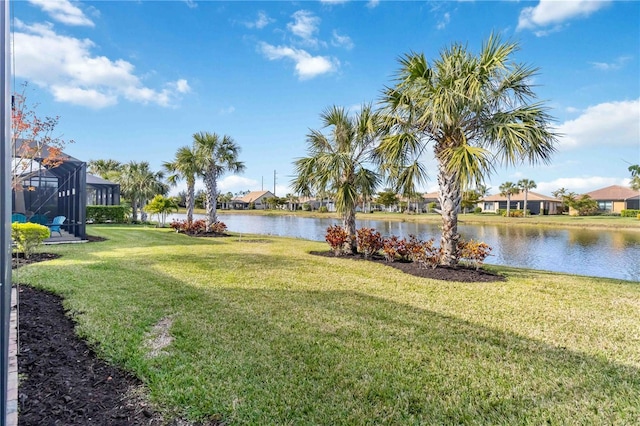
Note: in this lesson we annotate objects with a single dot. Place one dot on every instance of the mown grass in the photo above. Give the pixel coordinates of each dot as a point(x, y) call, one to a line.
point(266, 333)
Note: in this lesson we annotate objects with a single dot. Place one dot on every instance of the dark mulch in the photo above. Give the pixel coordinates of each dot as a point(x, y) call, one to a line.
point(460, 273)
point(61, 380)
point(18, 259)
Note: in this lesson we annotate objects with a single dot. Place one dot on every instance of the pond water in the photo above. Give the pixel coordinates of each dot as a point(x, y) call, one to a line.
point(600, 253)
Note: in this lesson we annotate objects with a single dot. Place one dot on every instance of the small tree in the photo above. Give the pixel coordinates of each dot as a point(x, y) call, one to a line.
point(33, 145)
point(162, 206)
point(560, 193)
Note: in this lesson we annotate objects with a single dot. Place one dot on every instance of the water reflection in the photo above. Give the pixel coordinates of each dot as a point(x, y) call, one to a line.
point(601, 253)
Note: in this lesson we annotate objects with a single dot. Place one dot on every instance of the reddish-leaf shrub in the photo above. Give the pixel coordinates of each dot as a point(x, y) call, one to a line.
point(192, 228)
point(369, 241)
point(396, 248)
point(424, 252)
point(336, 237)
point(474, 252)
point(218, 227)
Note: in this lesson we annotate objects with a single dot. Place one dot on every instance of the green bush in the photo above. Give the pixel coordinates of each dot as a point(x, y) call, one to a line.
point(104, 214)
point(306, 207)
point(477, 210)
point(629, 213)
point(323, 209)
point(28, 237)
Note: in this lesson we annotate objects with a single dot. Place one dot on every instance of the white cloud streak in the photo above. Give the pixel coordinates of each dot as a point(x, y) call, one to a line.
point(306, 65)
point(609, 123)
point(260, 22)
point(64, 12)
point(341, 40)
point(305, 26)
point(554, 13)
point(66, 67)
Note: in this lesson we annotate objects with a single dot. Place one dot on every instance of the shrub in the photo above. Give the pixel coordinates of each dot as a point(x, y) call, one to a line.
point(323, 209)
point(337, 237)
point(306, 207)
point(477, 210)
point(192, 228)
point(394, 247)
point(424, 252)
point(103, 214)
point(369, 241)
point(218, 227)
point(474, 252)
point(629, 213)
point(28, 237)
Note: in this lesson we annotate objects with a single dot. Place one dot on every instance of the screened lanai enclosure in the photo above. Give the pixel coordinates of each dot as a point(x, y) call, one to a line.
point(48, 183)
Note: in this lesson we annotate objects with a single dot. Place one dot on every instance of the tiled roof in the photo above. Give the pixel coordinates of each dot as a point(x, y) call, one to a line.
point(532, 196)
point(613, 193)
point(253, 196)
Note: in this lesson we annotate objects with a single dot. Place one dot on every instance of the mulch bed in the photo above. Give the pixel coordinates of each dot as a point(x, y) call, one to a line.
point(62, 382)
point(460, 273)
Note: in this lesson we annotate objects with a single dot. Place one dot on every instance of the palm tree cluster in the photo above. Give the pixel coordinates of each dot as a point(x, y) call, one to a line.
point(209, 157)
point(471, 112)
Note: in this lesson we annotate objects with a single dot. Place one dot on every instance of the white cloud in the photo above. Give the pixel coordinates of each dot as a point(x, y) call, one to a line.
point(191, 4)
point(553, 12)
point(611, 66)
point(609, 123)
point(446, 18)
point(371, 4)
point(307, 66)
point(261, 21)
point(67, 68)
point(64, 12)
point(226, 111)
point(580, 184)
point(305, 26)
point(235, 183)
point(342, 40)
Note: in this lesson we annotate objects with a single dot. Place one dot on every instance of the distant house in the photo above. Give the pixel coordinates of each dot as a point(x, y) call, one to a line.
point(430, 198)
point(254, 199)
point(536, 203)
point(615, 198)
point(101, 192)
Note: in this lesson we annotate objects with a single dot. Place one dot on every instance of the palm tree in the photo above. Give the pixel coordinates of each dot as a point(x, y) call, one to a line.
point(476, 111)
point(525, 185)
point(508, 189)
point(338, 161)
point(184, 166)
point(560, 193)
point(106, 169)
point(216, 156)
point(139, 183)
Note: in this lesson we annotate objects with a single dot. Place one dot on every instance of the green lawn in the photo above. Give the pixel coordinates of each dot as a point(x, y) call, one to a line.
point(266, 333)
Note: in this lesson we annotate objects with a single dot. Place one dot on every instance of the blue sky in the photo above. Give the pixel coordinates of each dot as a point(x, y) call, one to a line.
point(135, 80)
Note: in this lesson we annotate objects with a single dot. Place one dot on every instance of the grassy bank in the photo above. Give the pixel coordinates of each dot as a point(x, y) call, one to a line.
point(559, 221)
point(266, 333)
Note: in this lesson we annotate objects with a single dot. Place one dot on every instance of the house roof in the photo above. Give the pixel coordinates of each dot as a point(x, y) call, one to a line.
point(431, 195)
point(613, 193)
point(253, 196)
point(531, 196)
point(97, 180)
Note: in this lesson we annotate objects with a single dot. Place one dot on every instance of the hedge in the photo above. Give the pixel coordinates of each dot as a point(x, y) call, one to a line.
point(104, 214)
point(28, 236)
point(629, 213)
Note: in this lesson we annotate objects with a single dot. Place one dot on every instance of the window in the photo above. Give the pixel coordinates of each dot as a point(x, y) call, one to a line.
point(606, 206)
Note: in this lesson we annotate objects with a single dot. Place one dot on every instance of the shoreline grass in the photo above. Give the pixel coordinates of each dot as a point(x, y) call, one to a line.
point(556, 221)
point(265, 333)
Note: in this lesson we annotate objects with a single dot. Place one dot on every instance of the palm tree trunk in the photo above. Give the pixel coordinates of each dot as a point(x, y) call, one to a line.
point(349, 224)
point(508, 205)
point(190, 201)
point(449, 197)
point(134, 209)
point(212, 196)
point(524, 211)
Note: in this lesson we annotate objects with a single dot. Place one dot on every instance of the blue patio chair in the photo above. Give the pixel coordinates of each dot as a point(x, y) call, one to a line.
point(18, 217)
point(54, 226)
point(40, 219)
